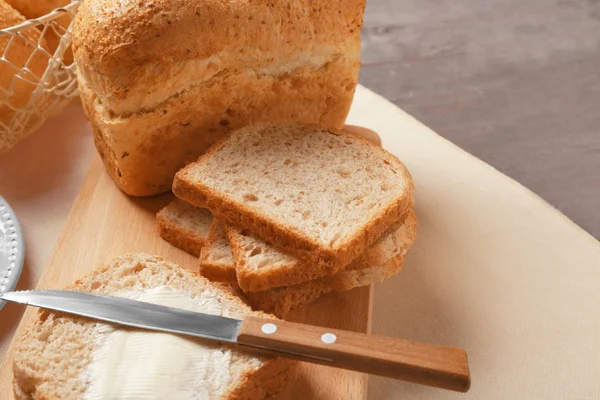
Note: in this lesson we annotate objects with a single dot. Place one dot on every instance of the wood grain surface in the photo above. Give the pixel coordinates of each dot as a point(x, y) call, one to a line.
point(105, 223)
point(514, 82)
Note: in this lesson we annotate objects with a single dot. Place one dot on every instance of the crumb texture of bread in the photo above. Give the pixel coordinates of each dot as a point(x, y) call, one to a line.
point(397, 240)
point(52, 356)
point(319, 194)
point(216, 260)
point(157, 97)
point(184, 226)
point(260, 266)
point(280, 301)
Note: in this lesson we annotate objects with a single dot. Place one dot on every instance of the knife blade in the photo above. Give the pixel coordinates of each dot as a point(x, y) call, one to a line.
point(133, 313)
point(433, 365)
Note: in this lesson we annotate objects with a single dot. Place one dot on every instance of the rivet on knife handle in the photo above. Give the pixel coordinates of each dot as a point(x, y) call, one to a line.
point(439, 366)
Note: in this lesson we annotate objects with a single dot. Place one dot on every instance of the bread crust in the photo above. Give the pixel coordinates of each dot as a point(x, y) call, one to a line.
point(212, 269)
point(157, 97)
point(177, 235)
point(118, 45)
point(170, 232)
point(33, 376)
point(324, 260)
point(280, 301)
point(395, 240)
point(184, 226)
point(401, 236)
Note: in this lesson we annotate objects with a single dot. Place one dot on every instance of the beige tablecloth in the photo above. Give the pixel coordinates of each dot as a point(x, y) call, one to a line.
point(495, 269)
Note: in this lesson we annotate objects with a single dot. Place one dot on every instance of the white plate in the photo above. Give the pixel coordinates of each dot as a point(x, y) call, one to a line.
point(495, 270)
point(12, 249)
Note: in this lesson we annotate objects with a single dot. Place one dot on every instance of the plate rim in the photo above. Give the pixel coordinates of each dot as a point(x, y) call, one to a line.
point(15, 257)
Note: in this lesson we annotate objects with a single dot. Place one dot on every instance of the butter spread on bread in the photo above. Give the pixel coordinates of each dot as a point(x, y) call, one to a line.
point(59, 356)
point(138, 364)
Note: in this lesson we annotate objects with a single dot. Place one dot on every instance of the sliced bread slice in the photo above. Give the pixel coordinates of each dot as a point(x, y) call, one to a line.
point(320, 194)
point(216, 260)
point(260, 266)
point(184, 226)
point(280, 301)
point(59, 356)
point(398, 240)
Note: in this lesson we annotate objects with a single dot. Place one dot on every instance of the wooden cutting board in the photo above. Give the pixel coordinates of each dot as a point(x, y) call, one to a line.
point(105, 223)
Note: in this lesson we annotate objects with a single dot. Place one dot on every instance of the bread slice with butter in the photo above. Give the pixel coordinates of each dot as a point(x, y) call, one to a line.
point(66, 357)
point(320, 194)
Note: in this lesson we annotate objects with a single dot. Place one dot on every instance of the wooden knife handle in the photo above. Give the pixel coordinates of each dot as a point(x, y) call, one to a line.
point(427, 364)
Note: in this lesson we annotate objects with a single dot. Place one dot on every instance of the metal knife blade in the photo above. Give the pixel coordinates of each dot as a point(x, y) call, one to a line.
point(134, 313)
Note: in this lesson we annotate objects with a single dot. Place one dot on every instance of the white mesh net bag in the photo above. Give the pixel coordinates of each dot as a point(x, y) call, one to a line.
point(37, 73)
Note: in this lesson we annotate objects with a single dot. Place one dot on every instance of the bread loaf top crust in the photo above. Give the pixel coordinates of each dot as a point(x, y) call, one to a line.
point(135, 54)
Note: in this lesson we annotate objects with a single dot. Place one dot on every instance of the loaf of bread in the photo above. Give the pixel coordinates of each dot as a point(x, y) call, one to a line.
point(161, 81)
point(320, 194)
point(16, 86)
point(58, 356)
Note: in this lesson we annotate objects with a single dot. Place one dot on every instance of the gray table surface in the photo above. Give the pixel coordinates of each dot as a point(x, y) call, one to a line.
point(516, 83)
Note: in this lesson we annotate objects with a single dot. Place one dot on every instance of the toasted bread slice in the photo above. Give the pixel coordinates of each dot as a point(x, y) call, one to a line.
point(216, 261)
point(260, 266)
point(280, 301)
point(57, 356)
point(184, 226)
point(320, 194)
